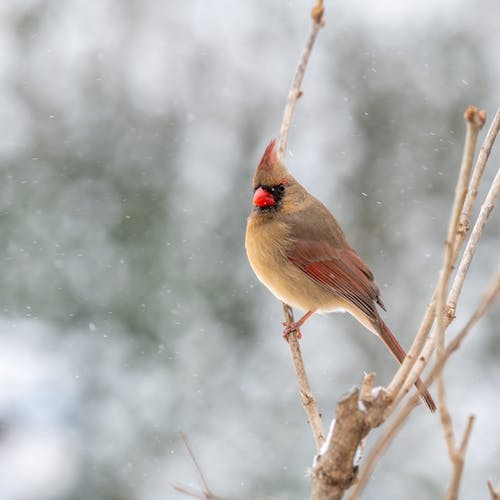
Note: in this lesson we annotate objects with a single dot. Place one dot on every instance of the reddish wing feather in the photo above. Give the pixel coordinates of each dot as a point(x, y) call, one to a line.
point(339, 270)
point(342, 272)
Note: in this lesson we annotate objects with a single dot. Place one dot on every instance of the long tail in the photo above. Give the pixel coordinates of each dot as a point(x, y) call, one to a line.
point(398, 352)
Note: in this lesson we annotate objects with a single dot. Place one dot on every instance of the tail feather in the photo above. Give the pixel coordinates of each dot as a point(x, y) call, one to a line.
point(398, 352)
point(425, 395)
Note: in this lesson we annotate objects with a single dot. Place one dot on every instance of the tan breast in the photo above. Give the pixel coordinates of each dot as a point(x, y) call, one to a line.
point(266, 243)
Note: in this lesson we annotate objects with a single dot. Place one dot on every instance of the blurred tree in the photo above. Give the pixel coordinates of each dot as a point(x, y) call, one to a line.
point(132, 130)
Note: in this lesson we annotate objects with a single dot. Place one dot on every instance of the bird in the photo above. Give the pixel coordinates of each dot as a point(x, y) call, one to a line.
point(298, 250)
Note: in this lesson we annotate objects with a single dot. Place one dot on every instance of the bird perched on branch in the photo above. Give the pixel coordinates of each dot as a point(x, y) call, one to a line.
point(299, 252)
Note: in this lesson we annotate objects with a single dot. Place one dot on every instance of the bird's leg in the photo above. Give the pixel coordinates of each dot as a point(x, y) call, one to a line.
point(295, 325)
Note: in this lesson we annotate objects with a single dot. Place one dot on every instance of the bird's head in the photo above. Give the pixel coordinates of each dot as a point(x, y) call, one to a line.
point(271, 181)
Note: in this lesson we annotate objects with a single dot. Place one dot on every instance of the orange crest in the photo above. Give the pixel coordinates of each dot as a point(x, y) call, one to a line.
point(269, 157)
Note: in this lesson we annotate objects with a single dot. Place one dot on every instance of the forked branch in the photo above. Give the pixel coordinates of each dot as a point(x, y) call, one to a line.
point(489, 298)
point(205, 493)
point(459, 279)
point(455, 290)
point(474, 119)
point(494, 492)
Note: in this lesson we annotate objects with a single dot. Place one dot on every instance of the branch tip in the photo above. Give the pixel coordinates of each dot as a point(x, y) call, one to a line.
point(366, 392)
point(317, 12)
point(475, 117)
point(467, 433)
point(294, 93)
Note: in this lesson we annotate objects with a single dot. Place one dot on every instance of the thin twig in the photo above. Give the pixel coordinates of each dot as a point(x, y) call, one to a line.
point(457, 285)
point(402, 376)
point(458, 459)
point(494, 492)
point(429, 319)
point(445, 416)
point(295, 93)
point(308, 401)
point(206, 493)
point(470, 249)
point(195, 462)
point(467, 433)
point(190, 492)
point(444, 319)
point(473, 127)
point(465, 216)
point(306, 395)
point(477, 173)
point(459, 278)
point(474, 118)
point(452, 241)
point(491, 295)
point(366, 391)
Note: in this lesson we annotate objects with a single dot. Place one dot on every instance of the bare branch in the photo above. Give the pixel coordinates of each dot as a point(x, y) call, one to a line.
point(466, 436)
point(474, 125)
point(308, 401)
point(401, 376)
point(355, 417)
point(360, 411)
point(470, 249)
point(295, 93)
point(490, 296)
point(205, 494)
point(474, 119)
point(195, 462)
point(457, 285)
point(484, 154)
point(494, 492)
point(458, 459)
point(190, 492)
point(427, 322)
point(366, 392)
point(461, 233)
point(445, 416)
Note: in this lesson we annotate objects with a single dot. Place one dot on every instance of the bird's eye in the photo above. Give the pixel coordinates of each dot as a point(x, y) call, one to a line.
point(281, 188)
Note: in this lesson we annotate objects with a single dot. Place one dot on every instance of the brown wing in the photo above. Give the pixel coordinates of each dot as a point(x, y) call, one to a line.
point(340, 270)
point(323, 253)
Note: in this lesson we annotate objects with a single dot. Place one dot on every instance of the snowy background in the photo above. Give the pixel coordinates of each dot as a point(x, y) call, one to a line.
point(130, 132)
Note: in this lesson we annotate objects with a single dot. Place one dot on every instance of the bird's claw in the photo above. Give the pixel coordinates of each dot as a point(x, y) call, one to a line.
point(291, 327)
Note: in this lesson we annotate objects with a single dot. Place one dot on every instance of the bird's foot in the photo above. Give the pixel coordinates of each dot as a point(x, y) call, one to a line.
point(292, 327)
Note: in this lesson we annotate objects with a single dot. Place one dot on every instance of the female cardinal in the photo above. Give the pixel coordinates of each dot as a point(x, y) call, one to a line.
point(298, 250)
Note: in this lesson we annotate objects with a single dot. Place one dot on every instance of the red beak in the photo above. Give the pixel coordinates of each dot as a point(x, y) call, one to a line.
point(263, 198)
